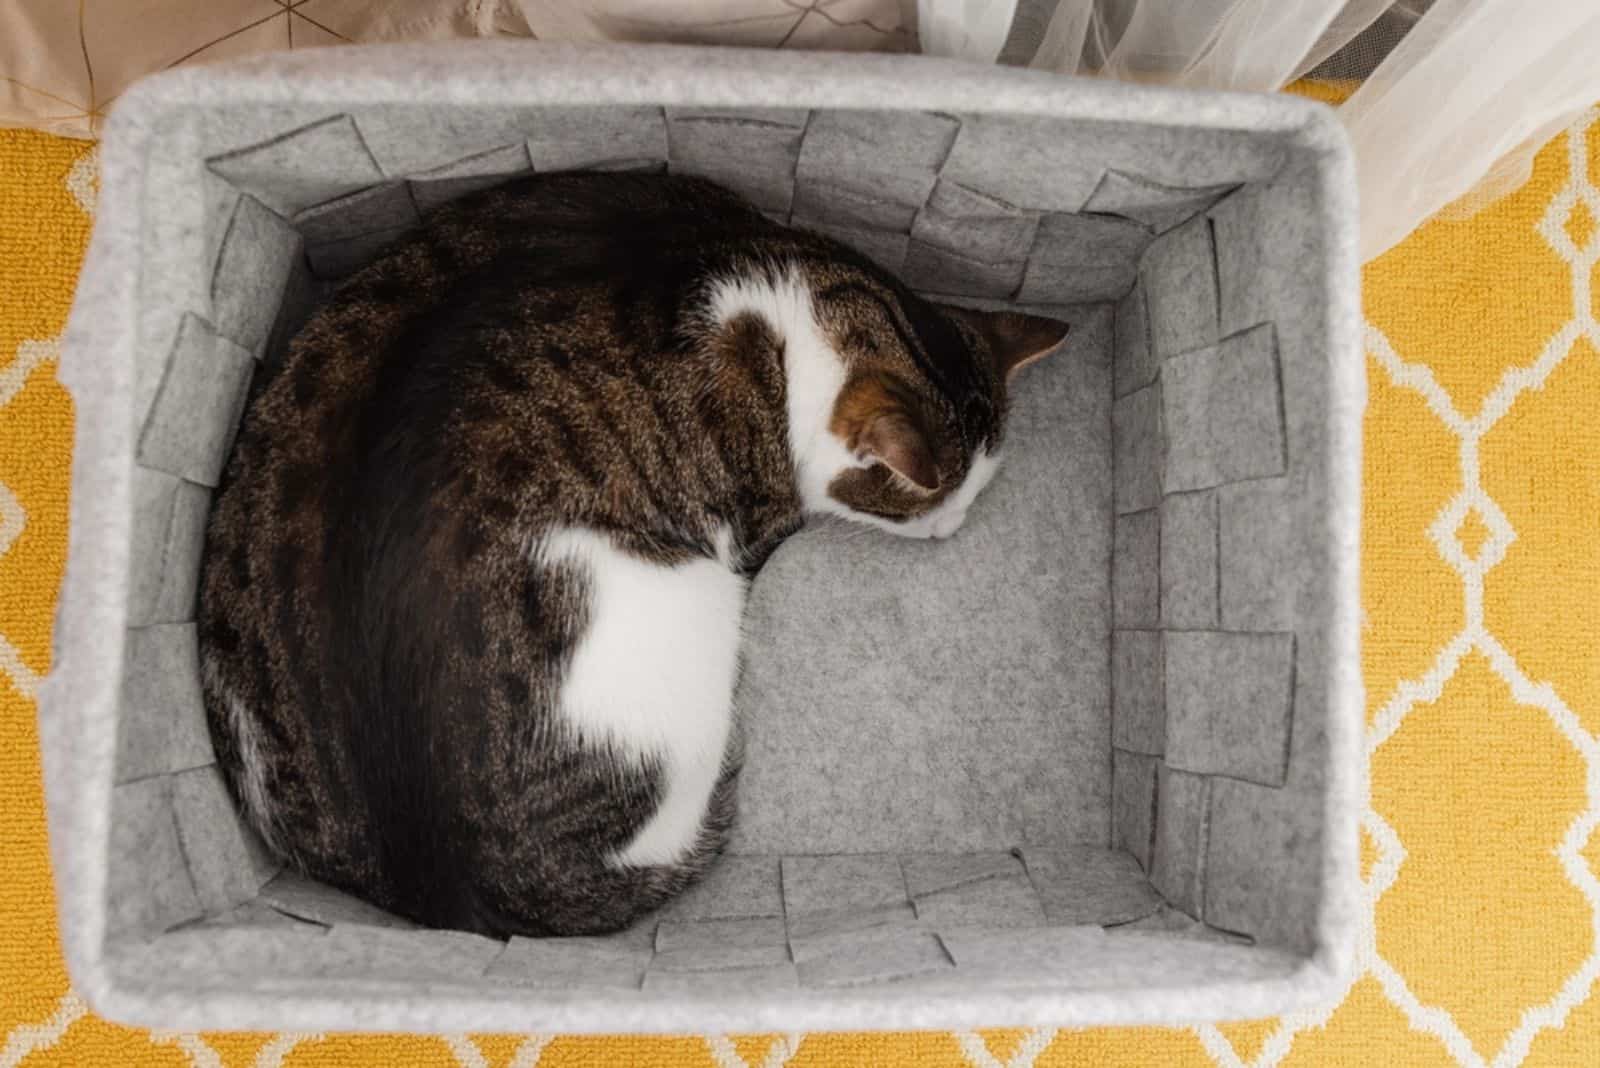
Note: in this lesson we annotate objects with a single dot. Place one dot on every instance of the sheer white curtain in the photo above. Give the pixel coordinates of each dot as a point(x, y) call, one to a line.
point(1449, 118)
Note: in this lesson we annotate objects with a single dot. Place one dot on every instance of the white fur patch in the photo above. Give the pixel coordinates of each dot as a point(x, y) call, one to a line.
point(945, 518)
point(246, 742)
point(813, 372)
point(654, 675)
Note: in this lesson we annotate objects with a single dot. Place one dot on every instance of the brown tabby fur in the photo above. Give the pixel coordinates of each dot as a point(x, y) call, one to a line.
point(375, 636)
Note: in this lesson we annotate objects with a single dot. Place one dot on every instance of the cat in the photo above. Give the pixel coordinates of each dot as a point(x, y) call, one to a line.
point(472, 585)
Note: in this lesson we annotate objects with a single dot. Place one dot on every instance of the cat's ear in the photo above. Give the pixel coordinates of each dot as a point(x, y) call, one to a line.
point(1015, 339)
point(879, 424)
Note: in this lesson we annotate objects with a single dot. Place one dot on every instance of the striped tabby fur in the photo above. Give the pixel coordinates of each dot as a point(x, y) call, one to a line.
point(470, 604)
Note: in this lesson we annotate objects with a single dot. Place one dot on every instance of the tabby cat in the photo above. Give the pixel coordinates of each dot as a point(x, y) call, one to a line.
point(470, 608)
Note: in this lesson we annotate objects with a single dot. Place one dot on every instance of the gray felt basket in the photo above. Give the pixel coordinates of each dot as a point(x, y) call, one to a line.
point(1092, 760)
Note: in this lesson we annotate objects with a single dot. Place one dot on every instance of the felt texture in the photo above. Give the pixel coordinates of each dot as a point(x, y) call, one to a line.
point(563, 139)
point(762, 979)
point(736, 887)
point(868, 168)
point(752, 153)
point(220, 954)
point(979, 227)
point(154, 495)
point(257, 251)
point(949, 272)
point(933, 873)
point(1180, 279)
point(407, 956)
point(1170, 921)
point(704, 945)
point(162, 723)
point(294, 894)
point(1001, 901)
point(313, 164)
point(227, 860)
point(819, 204)
point(335, 259)
point(567, 962)
point(1223, 413)
point(1189, 583)
point(1138, 444)
point(1136, 569)
point(1138, 698)
point(197, 408)
point(302, 292)
point(1228, 703)
point(1159, 207)
point(149, 886)
point(430, 189)
point(1261, 865)
point(1136, 363)
point(345, 233)
point(972, 773)
point(1133, 801)
point(1178, 854)
point(1091, 241)
point(255, 913)
point(380, 207)
point(885, 248)
point(169, 526)
point(1080, 258)
point(1259, 581)
point(1044, 282)
point(707, 934)
point(1009, 954)
point(827, 933)
point(1089, 886)
point(848, 924)
point(827, 884)
point(409, 140)
point(203, 167)
point(904, 954)
point(1038, 173)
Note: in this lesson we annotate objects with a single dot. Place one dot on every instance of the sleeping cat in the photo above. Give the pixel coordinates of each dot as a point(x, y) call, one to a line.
point(470, 607)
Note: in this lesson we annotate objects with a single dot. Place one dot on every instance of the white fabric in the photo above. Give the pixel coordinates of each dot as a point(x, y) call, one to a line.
point(1449, 119)
point(63, 65)
point(972, 29)
point(836, 25)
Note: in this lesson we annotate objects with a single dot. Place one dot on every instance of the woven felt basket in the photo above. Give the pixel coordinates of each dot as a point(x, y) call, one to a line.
point(1091, 760)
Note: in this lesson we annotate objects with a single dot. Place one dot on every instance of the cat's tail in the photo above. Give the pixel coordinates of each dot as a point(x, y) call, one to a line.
point(573, 901)
point(566, 889)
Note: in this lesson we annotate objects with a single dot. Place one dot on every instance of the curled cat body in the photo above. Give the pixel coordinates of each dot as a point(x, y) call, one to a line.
point(471, 597)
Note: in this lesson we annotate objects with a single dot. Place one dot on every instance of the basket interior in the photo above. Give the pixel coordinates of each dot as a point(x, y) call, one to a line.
point(1083, 731)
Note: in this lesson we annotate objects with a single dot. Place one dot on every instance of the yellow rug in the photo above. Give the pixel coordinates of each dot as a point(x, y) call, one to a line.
point(1481, 577)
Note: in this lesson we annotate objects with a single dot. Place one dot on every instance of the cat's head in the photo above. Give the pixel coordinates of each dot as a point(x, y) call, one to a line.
point(917, 421)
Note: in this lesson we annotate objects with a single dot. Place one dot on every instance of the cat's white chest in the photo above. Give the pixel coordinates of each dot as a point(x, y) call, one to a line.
point(654, 674)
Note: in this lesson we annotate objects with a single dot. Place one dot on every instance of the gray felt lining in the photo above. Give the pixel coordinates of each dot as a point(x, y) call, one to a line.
point(1228, 702)
point(1136, 569)
point(169, 526)
point(198, 405)
point(162, 726)
point(1201, 248)
point(256, 250)
point(444, 184)
point(1189, 583)
point(1138, 700)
